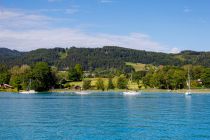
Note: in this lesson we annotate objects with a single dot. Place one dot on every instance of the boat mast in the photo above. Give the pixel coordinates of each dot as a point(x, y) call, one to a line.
point(131, 77)
point(30, 84)
point(189, 80)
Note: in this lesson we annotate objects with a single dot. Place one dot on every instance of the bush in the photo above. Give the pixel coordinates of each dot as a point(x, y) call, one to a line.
point(42, 77)
point(122, 82)
point(100, 84)
point(86, 84)
point(110, 84)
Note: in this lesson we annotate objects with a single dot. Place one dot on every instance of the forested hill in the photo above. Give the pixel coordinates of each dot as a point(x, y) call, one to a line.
point(7, 53)
point(106, 57)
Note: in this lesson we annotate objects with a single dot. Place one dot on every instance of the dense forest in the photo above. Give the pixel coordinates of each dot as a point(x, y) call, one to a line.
point(106, 67)
point(103, 58)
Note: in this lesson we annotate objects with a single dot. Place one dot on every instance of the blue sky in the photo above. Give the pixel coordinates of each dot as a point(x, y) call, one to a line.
point(153, 25)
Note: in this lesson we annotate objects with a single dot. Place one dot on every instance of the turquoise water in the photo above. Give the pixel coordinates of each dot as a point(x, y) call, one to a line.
point(102, 116)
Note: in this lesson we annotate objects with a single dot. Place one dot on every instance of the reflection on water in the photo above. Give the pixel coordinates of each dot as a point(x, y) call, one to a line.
point(188, 100)
point(188, 105)
point(107, 115)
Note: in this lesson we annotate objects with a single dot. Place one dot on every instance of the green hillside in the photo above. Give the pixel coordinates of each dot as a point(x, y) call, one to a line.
point(103, 58)
point(136, 66)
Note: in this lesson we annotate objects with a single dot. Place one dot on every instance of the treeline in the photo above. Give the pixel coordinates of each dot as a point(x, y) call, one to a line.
point(104, 58)
point(171, 77)
point(41, 77)
point(162, 77)
point(120, 82)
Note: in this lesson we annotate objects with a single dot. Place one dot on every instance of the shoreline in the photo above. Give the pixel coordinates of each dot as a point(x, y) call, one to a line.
point(180, 91)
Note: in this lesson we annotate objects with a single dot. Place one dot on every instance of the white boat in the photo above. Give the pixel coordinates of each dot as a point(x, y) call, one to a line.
point(188, 84)
point(131, 93)
point(28, 92)
point(82, 92)
point(188, 93)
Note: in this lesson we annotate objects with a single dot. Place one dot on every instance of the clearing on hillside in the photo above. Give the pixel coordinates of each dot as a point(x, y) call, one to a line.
point(136, 66)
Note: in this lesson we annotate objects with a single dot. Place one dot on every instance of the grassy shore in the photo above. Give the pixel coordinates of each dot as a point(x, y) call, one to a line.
point(144, 90)
point(8, 90)
point(149, 90)
point(194, 91)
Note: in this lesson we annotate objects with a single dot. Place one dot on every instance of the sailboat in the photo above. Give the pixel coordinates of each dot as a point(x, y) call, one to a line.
point(131, 92)
point(28, 91)
point(188, 84)
point(83, 92)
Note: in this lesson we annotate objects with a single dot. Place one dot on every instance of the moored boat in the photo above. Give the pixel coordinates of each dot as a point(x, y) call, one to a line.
point(188, 84)
point(131, 93)
point(28, 92)
point(82, 92)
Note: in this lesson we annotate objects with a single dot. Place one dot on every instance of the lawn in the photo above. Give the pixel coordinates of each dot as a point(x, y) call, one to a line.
point(136, 66)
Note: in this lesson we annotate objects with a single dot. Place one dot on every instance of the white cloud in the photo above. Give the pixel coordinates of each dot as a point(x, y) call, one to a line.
point(175, 50)
point(25, 31)
point(49, 38)
point(18, 19)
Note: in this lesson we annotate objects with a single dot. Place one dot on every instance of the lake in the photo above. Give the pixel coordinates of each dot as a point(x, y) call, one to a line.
point(102, 116)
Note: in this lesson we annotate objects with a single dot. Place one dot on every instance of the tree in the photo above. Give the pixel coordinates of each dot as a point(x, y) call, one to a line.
point(100, 84)
point(137, 76)
point(197, 72)
point(180, 78)
point(20, 76)
point(4, 78)
point(106, 57)
point(79, 71)
point(42, 77)
point(61, 78)
point(122, 82)
point(86, 84)
point(128, 69)
point(73, 76)
point(110, 84)
point(15, 81)
point(167, 77)
point(147, 79)
point(4, 75)
point(206, 77)
point(76, 73)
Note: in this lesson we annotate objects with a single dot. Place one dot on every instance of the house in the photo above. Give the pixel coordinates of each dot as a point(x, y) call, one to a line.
point(200, 81)
point(5, 86)
point(77, 88)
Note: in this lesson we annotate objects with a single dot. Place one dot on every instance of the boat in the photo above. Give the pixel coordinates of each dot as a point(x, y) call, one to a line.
point(188, 84)
point(188, 93)
point(131, 93)
point(82, 92)
point(28, 91)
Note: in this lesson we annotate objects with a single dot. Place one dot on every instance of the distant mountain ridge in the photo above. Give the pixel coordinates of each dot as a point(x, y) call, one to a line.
point(9, 53)
point(105, 58)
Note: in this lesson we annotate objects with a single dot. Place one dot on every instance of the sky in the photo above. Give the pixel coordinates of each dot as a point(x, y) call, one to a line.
point(154, 25)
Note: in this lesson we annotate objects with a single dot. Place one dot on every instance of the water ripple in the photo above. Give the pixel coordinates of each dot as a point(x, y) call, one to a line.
point(55, 116)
